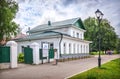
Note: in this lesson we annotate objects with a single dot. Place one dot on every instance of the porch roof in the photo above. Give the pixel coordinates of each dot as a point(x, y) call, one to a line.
point(46, 34)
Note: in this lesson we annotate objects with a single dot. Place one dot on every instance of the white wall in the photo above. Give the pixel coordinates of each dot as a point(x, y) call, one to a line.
point(75, 30)
point(70, 30)
point(62, 30)
point(55, 41)
point(76, 42)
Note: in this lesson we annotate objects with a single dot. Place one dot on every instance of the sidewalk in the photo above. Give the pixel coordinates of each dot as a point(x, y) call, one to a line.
point(49, 71)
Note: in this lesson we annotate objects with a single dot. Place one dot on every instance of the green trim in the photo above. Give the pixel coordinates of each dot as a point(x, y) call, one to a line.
point(79, 24)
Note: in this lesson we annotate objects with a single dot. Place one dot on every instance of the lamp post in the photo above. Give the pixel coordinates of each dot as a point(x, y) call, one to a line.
point(99, 16)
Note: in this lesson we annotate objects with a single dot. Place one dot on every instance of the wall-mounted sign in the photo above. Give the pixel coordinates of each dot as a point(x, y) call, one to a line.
point(45, 52)
point(45, 45)
point(45, 49)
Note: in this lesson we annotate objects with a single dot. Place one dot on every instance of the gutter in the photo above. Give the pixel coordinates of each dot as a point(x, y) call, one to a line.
point(60, 44)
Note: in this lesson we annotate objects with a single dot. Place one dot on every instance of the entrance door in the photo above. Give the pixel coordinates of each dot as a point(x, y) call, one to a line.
point(28, 55)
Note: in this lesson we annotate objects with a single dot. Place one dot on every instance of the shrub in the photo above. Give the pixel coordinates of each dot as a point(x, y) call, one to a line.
point(115, 52)
point(21, 58)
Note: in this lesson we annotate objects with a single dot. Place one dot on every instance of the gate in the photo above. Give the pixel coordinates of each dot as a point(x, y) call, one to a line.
point(28, 55)
point(4, 54)
point(51, 53)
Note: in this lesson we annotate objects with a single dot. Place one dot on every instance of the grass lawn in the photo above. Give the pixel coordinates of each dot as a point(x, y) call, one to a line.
point(110, 70)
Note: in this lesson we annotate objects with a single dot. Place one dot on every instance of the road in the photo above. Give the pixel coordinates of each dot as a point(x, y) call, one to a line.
point(48, 71)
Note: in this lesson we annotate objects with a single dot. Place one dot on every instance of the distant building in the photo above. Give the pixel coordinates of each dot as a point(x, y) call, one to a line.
point(66, 36)
point(20, 35)
point(3, 41)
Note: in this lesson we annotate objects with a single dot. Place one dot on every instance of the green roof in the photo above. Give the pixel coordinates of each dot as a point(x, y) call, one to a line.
point(46, 34)
point(66, 23)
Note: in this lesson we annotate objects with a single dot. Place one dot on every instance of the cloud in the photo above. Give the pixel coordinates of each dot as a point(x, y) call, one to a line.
point(35, 12)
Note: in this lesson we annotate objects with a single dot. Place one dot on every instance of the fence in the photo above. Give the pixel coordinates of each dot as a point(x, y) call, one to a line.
point(4, 54)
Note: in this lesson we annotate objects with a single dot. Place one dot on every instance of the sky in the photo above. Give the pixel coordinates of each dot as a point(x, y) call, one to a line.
point(36, 12)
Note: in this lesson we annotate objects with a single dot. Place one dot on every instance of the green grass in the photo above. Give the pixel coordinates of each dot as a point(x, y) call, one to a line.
point(96, 53)
point(110, 70)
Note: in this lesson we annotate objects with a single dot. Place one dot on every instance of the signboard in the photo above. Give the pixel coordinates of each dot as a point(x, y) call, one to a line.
point(45, 49)
point(45, 45)
point(45, 52)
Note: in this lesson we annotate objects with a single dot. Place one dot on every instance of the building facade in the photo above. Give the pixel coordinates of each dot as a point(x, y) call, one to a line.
point(66, 36)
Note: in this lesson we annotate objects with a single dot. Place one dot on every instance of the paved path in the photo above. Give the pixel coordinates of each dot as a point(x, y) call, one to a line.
point(48, 71)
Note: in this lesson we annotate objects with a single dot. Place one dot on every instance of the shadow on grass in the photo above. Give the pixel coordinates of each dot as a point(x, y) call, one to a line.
point(103, 68)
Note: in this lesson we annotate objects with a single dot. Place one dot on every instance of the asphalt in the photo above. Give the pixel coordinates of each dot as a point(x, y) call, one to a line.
point(48, 71)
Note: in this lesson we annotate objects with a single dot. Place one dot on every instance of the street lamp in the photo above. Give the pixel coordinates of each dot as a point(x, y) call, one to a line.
point(99, 16)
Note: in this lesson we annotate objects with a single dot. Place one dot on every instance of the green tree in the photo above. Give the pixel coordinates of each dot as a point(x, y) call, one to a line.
point(118, 45)
point(8, 10)
point(108, 37)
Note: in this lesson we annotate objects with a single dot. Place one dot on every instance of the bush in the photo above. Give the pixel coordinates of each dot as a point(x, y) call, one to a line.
point(21, 58)
point(115, 52)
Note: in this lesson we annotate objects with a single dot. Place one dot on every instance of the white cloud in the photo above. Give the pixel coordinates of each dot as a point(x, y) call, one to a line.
point(36, 12)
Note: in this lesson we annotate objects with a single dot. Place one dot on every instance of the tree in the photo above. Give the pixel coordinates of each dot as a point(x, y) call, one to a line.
point(108, 37)
point(118, 45)
point(8, 10)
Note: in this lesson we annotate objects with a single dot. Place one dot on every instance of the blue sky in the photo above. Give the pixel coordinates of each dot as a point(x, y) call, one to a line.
point(35, 12)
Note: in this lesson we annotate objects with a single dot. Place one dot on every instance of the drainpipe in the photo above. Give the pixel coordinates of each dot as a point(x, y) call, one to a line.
point(60, 43)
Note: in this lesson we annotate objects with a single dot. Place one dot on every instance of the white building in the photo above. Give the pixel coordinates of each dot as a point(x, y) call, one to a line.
point(66, 36)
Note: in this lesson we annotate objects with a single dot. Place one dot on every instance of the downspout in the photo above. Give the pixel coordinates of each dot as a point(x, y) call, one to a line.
point(60, 44)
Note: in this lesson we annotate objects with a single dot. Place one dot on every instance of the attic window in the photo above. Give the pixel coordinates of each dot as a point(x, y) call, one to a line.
point(73, 33)
point(77, 35)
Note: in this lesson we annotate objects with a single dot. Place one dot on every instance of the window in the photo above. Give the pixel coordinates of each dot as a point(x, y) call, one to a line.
point(84, 48)
point(78, 48)
point(22, 49)
point(28, 46)
point(81, 36)
point(69, 48)
point(87, 49)
point(81, 48)
point(77, 35)
point(51, 46)
point(64, 48)
point(73, 34)
point(73, 48)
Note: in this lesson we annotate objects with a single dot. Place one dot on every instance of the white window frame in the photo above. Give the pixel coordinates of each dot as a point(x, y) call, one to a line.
point(74, 48)
point(69, 48)
point(77, 48)
point(73, 33)
point(64, 48)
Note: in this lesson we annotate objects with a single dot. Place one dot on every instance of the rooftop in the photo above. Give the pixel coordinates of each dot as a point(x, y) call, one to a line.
point(65, 23)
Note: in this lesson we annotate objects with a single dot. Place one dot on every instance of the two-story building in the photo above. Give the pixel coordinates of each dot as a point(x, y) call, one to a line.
point(66, 36)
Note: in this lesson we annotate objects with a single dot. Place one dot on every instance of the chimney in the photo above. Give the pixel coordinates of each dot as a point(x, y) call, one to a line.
point(49, 23)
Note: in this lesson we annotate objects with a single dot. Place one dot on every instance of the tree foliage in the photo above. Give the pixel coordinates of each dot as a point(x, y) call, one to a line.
point(8, 10)
point(105, 32)
point(118, 45)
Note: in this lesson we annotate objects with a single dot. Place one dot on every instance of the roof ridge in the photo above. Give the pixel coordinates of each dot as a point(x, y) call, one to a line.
point(57, 23)
point(76, 20)
point(67, 19)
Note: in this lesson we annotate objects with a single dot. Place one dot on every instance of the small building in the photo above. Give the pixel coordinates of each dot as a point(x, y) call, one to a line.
point(66, 36)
